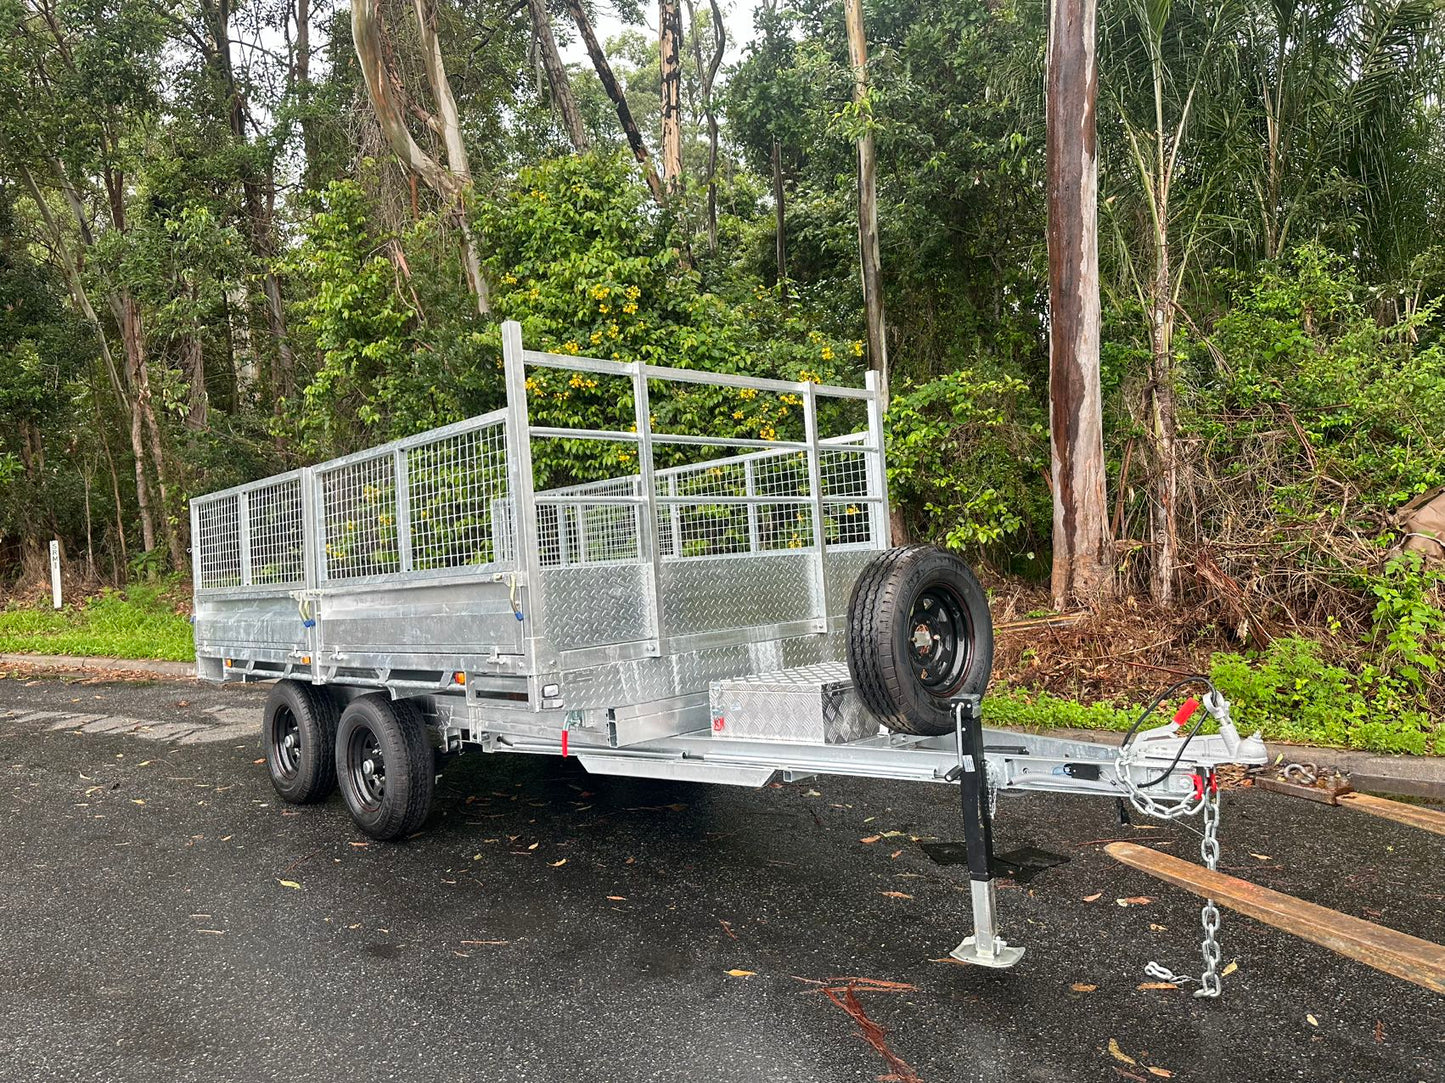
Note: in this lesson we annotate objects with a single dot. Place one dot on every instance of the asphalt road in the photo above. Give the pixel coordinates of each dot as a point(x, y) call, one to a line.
point(163, 917)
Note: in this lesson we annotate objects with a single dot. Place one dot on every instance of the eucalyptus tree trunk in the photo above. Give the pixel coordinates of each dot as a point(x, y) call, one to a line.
point(1082, 560)
point(867, 199)
point(561, 89)
point(669, 40)
point(619, 99)
point(258, 198)
point(449, 181)
point(780, 226)
point(706, 77)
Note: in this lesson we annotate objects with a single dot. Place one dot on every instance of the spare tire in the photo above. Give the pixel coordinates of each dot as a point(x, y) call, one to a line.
point(919, 635)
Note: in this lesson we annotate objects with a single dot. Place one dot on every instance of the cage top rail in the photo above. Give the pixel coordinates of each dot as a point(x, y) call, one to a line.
point(542, 359)
point(405, 443)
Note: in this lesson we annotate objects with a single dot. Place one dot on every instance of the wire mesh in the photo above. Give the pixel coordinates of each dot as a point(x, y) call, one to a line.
point(219, 543)
point(359, 518)
point(572, 531)
point(277, 534)
point(455, 487)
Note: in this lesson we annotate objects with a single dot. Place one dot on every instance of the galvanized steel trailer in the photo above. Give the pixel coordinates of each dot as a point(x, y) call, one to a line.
point(689, 620)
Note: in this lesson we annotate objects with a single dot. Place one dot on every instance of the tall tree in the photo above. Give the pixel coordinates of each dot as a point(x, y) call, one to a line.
point(706, 78)
point(1156, 108)
point(669, 48)
point(867, 196)
point(452, 180)
point(1082, 564)
point(557, 82)
point(619, 99)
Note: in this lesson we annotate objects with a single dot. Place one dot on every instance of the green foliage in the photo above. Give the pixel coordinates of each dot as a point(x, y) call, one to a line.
point(966, 452)
point(1407, 622)
point(588, 267)
point(1291, 693)
point(1005, 706)
point(140, 622)
point(1370, 402)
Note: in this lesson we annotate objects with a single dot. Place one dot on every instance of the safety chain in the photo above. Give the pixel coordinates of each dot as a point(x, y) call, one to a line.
point(1210, 983)
point(1204, 802)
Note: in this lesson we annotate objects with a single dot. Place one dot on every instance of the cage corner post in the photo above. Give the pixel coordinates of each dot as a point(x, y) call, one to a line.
point(525, 553)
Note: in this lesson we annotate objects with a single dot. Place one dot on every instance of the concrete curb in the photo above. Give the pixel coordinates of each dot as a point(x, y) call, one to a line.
point(72, 663)
point(1406, 776)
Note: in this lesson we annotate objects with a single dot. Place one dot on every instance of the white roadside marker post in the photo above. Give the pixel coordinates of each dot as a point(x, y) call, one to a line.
point(55, 573)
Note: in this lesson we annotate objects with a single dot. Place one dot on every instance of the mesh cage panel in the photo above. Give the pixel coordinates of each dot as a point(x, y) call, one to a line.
point(220, 543)
point(359, 519)
point(277, 534)
point(455, 486)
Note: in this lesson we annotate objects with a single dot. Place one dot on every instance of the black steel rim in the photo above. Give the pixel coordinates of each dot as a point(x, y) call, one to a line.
point(286, 742)
point(940, 639)
point(367, 767)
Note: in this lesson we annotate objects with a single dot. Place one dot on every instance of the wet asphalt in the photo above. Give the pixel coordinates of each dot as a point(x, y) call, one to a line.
point(164, 917)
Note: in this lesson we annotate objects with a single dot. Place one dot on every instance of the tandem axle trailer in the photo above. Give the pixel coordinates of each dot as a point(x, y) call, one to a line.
point(592, 570)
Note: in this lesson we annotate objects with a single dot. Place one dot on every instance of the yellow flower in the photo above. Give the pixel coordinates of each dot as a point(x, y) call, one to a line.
point(858, 347)
point(596, 337)
point(747, 393)
point(827, 353)
point(571, 346)
point(604, 309)
point(737, 415)
point(576, 380)
point(633, 293)
point(767, 432)
point(630, 307)
point(612, 330)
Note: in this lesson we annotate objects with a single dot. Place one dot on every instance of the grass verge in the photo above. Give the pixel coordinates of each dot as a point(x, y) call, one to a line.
point(141, 622)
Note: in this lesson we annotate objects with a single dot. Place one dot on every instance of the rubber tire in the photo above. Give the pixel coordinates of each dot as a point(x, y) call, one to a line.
point(316, 713)
point(410, 766)
point(878, 631)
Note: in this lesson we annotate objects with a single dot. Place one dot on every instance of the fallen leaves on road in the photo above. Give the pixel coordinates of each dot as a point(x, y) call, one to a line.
point(727, 928)
point(1118, 1054)
point(1230, 969)
point(870, 840)
point(1095, 897)
point(479, 943)
point(557, 864)
point(740, 973)
point(1135, 900)
point(895, 895)
point(1311, 1020)
point(1162, 1073)
point(292, 884)
point(617, 898)
point(1083, 987)
point(1157, 985)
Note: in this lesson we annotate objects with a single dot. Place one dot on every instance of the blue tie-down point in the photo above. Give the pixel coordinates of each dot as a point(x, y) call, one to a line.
point(311, 623)
point(518, 615)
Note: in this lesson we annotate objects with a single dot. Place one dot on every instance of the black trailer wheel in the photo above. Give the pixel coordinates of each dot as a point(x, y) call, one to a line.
point(299, 734)
point(385, 766)
point(919, 635)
